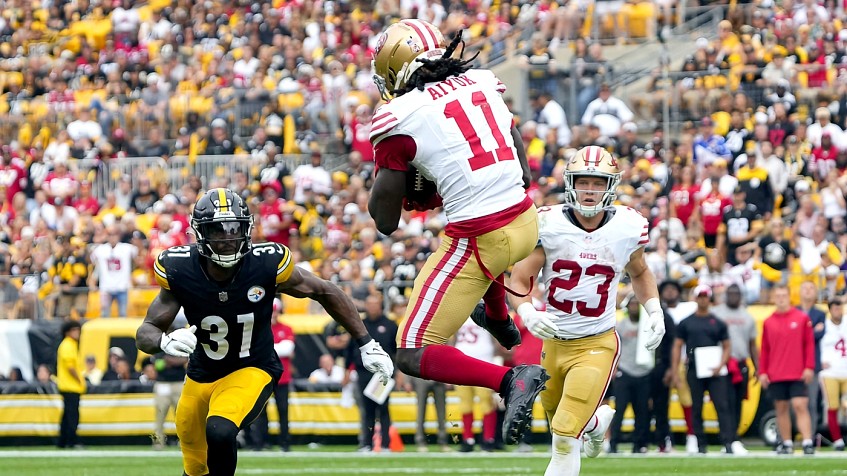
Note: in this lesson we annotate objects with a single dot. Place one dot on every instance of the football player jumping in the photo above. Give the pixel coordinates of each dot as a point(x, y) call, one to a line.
point(584, 246)
point(449, 124)
point(226, 285)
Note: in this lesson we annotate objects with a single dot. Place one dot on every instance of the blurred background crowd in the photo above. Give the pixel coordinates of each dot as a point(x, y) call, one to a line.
point(115, 115)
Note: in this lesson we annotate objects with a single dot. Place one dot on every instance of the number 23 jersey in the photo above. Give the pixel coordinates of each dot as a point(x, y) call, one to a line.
point(233, 319)
point(582, 270)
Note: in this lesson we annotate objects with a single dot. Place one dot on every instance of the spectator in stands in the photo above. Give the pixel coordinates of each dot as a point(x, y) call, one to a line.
point(607, 112)
point(312, 176)
point(71, 383)
point(156, 146)
point(220, 143)
point(113, 267)
point(740, 226)
point(786, 367)
point(808, 300)
point(550, 118)
point(92, 374)
point(703, 330)
point(632, 377)
point(742, 340)
point(327, 372)
point(815, 132)
point(70, 274)
point(143, 198)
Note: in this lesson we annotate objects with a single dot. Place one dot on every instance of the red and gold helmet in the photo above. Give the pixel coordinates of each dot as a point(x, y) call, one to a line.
point(591, 161)
point(397, 49)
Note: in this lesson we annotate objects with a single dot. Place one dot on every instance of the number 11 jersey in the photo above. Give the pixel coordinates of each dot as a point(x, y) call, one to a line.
point(457, 133)
point(233, 319)
point(582, 269)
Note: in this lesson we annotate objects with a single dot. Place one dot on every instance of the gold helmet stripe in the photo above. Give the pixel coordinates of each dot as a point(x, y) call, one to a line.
point(224, 206)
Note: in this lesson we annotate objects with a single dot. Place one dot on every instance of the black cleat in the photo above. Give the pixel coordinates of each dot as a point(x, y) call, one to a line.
point(506, 332)
point(519, 388)
point(467, 446)
point(808, 450)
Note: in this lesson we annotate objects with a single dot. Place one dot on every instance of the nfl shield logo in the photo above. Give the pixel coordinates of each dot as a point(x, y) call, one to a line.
point(223, 296)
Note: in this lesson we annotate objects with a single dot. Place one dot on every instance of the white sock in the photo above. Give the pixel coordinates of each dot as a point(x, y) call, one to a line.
point(565, 460)
point(807, 442)
point(838, 442)
point(788, 443)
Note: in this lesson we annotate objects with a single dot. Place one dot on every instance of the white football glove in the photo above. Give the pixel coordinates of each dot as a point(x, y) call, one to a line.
point(654, 331)
point(179, 343)
point(538, 323)
point(377, 361)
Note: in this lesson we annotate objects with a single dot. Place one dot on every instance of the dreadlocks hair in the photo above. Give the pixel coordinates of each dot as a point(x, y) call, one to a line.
point(438, 69)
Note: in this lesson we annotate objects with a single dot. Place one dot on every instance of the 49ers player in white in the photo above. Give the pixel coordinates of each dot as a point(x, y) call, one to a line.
point(450, 124)
point(584, 246)
point(833, 376)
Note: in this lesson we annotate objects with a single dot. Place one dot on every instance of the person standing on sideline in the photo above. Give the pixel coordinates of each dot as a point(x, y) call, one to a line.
point(473, 341)
point(808, 299)
point(113, 266)
point(384, 332)
point(786, 366)
point(703, 329)
point(284, 347)
point(166, 391)
point(71, 383)
point(834, 369)
point(742, 342)
point(661, 376)
point(631, 379)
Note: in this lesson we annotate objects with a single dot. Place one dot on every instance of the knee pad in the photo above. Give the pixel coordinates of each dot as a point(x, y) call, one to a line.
point(219, 430)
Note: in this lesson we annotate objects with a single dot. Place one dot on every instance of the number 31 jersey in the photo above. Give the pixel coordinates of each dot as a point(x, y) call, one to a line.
point(582, 269)
point(461, 129)
point(233, 319)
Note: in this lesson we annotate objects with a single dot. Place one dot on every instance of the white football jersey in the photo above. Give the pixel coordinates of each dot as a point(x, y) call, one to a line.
point(582, 269)
point(462, 130)
point(834, 349)
point(474, 341)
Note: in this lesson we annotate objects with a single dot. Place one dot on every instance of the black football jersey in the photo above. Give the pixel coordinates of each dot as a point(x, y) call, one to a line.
point(233, 319)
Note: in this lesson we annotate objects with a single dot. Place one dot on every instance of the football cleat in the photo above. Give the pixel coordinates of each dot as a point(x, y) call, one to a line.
point(520, 386)
point(506, 332)
point(593, 440)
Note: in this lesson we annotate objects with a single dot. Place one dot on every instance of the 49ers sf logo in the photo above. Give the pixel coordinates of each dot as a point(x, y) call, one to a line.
point(380, 43)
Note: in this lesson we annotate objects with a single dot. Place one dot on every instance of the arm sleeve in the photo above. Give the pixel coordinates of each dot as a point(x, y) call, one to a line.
point(285, 266)
point(395, 152)
point(160, 273)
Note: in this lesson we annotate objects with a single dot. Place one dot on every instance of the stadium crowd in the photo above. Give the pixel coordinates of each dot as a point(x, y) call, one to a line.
point(750, 194)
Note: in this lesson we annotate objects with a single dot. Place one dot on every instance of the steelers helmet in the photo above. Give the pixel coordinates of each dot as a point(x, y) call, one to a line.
point(397, 50)
point(220, 216)
point(591, 161)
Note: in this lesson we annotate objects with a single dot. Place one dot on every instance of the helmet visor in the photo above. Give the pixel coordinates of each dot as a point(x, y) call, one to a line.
point(225, 237)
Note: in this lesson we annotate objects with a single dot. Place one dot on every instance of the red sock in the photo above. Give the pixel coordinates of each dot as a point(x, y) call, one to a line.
point(489, 421)
point(834, 429)
point(467, 426)
point(687, 412)
point(495, 302)
point(447, 364)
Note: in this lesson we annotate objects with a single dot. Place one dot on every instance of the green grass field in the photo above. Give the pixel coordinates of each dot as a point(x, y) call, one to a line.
point(130, 461)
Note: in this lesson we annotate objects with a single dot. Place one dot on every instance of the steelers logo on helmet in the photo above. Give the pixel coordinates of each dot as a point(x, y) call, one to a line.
point(591, 177)
point(222, 225)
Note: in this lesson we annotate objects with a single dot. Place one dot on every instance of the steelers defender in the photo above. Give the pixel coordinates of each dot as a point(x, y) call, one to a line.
point(226, 286)
point(583, 248)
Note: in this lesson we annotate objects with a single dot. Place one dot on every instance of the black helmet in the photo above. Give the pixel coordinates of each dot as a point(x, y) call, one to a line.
point(220, 216)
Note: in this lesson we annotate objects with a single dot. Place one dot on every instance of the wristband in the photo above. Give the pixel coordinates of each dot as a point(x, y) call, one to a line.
point(653, 306)
point(525, 309)
point(364, 339)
